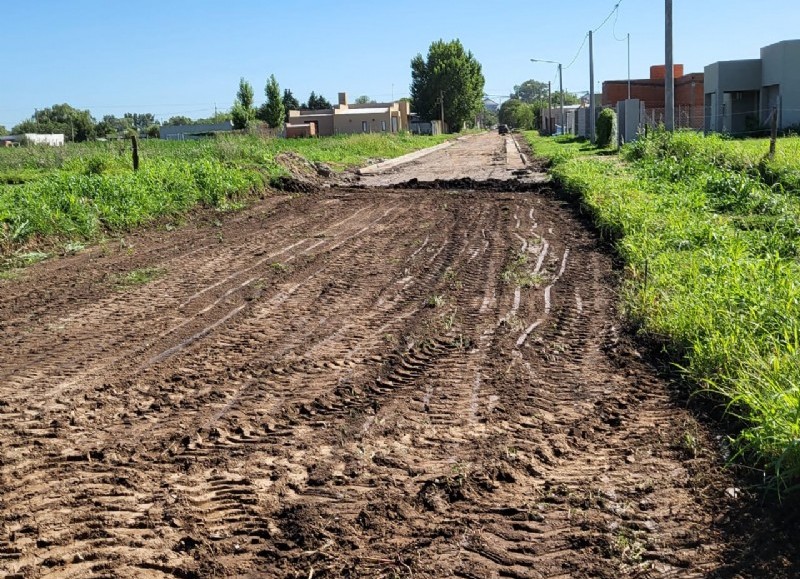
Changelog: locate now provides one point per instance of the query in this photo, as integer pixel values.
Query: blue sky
(186, 56)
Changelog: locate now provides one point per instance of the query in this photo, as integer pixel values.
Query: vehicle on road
(502, 129)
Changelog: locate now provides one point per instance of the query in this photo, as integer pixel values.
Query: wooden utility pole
(135, 152)
(591, 88)
(669, 88)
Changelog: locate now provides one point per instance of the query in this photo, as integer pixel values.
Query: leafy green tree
(241, 117)
(530, 91)
(153, 132)
(244, 96)
(242, 113)
(570, 98)
(364, 100)
(178, 120)
(76, 125)
(272, 112)
(518, 114)
(290, 102)
(3, 130)
(317, 103)
(489, 118)
(215, 119)
(450, 75)
(141, 121)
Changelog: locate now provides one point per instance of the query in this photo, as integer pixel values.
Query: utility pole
(591, 88)
(561, 91)
(629, 66)
(669, 89)
(549, 109)
(560, 87)
(441, 102)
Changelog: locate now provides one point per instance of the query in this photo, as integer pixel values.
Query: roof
(368, 111)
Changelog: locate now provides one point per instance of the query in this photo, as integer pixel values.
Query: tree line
(524, 108)
(447, 84)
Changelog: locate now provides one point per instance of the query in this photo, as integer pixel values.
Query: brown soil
(356, 383)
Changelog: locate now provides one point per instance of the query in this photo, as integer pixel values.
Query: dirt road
(349, 383)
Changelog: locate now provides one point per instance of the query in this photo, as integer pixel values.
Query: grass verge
(708, 229)
(78, 191)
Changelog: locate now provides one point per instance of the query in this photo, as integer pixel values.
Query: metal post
(773, 133)
(629, 66)
(591, 88)
(561, 90)
(441, 102)
(549, 109)
(669, 89)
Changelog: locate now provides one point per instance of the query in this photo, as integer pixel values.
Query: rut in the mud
(349, 383)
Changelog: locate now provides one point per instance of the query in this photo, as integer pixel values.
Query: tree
(178, 120)
(76, 125)
(272, 112)
(241, 116)
(452, 74)
(141, 121)
(570, 98)
(216, 118)
(518, 114)
(242, 113)
(3, 130)
(530, 91)
(244, 95)
(153, 132)
(290, 103)
(316, 103)
(364, 100)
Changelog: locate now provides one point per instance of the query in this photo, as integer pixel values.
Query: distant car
(502, 129)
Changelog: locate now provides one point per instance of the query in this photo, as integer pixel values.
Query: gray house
(741, 94)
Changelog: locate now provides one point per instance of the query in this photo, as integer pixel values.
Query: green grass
(137, 277)
(79, 191)
(709, 230)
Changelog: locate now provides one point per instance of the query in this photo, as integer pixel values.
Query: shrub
(606, 127)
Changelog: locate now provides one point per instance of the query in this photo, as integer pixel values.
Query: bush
(606, 127)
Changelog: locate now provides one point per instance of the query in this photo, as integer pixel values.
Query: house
(740, 95)
(346, 118)
(491, 105)
(689, 104)
(190, 132)
(54, 140)
(553, 124)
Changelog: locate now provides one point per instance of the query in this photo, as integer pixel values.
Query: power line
(616, 7)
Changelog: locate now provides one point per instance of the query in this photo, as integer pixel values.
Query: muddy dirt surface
(355, 383)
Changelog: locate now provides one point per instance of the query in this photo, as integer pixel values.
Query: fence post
(135, 152)
(773, 136)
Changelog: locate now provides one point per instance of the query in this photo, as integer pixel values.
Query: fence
(686, 117)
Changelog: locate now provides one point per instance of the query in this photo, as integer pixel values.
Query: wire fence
(747, 122)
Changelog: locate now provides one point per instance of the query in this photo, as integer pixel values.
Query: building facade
(689, 95)
(741, 95)
(346, 118)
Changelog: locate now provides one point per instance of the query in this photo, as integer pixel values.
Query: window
(364, 126)
(383, 126)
